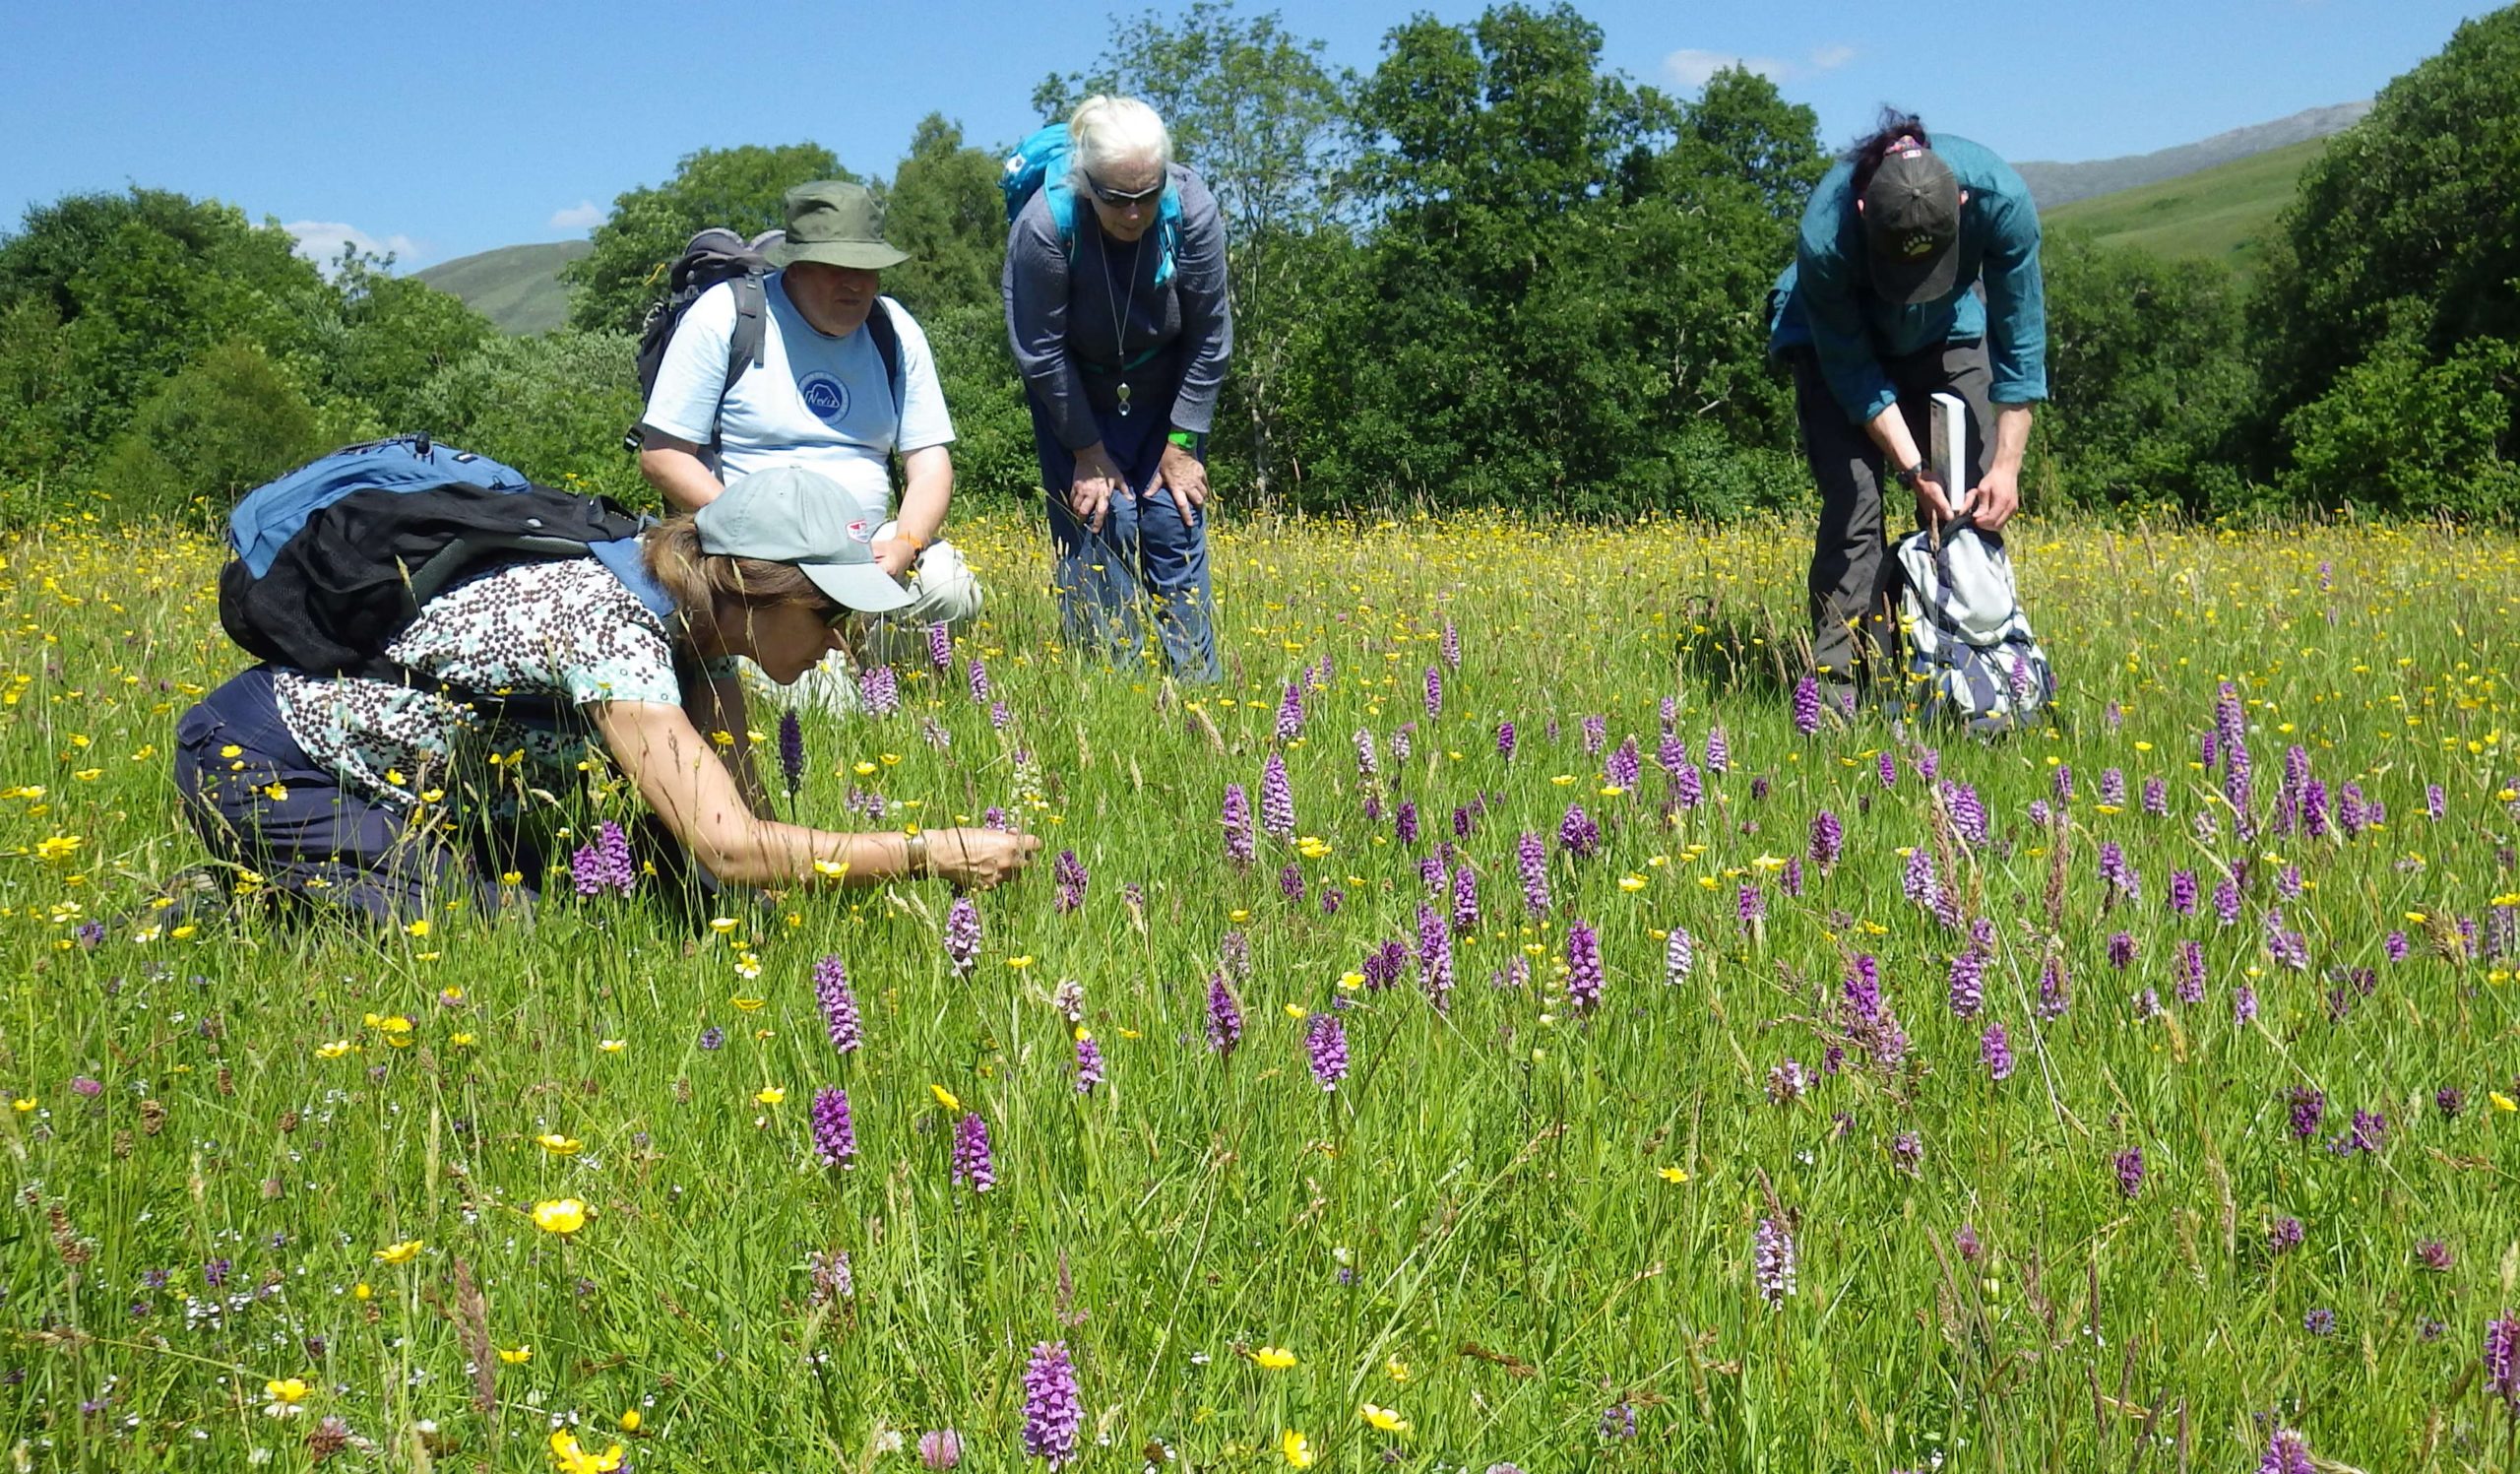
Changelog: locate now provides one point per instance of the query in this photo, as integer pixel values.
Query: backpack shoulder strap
(887, 336)
(1061, 198)
(1168, 235)
(748, 345)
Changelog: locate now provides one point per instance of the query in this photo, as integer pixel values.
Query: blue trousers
(325, 848)
(1145, 555)
(271, 809)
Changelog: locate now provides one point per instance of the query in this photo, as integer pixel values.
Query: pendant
(1124, 400)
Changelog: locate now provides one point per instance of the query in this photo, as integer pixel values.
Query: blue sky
(454, 128)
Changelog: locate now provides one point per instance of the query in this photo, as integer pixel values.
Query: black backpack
(335, 560)
(718, 255)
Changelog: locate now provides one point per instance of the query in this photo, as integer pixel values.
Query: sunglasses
(1117, 198)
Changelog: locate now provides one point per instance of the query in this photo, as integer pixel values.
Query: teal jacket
(1824, 301)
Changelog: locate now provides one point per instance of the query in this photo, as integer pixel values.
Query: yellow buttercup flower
(1672, 1174)
(1297, 1450)
(1395, 1368)
(612, 1046)
(1388, 1420)
(334, 1051)
(770, 1095)
(516, 1356)
(560, 1215)
(2500, 1101)
(402, 1252)
(945, 1098)
(568, 1456)
(630, 1420)
(1275, 1358)
(557, 1144)
(746, 1004)
(287, 1390)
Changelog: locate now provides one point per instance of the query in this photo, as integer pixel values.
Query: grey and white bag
(1971, 655)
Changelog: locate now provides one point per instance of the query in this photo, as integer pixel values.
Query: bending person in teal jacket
(1880, 310)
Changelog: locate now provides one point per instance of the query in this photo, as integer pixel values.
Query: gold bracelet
(916, 847)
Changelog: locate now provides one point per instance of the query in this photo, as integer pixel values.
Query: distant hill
(2057, 184)
(2222, 212)
(516, 287)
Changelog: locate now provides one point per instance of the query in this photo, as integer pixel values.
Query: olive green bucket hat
(836, 223)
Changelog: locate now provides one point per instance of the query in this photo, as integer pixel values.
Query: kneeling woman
(374, 799)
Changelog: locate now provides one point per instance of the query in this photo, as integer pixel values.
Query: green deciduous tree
(229, 420)
(392, 333)
(741, 188)
(2401, 432)
(1562, 304)
(552, 406)
(943, 207)
(2146, 372)
(136, 286)
(2403, 239)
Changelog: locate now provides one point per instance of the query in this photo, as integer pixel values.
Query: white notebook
(1947, 457)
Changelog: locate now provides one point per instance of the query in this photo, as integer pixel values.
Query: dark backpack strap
(888, 347)
(748, 345)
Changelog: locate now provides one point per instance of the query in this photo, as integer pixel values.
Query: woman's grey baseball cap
(789, 514)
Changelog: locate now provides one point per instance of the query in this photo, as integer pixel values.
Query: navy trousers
(1145, 555)
(259, 801)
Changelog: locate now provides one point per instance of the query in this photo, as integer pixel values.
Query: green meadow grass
(1480, 1230)
(2219, 213)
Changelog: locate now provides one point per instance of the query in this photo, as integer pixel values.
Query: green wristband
(1184, 439)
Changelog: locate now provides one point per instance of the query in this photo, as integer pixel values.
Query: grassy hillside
(2222, 212)
(516, 287)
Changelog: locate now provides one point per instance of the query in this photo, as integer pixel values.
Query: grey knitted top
(1081, 328)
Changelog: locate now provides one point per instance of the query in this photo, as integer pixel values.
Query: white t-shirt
(814, 400)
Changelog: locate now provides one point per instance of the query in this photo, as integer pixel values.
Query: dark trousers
(1147, 552)
(322, 848)
(269, 808)
(1855, 625)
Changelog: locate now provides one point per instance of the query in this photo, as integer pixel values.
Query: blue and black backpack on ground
(336, 558)
(1972, 658)
(1038, 165)
(719, 255)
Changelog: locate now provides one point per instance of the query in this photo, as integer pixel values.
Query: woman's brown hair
(712, 591)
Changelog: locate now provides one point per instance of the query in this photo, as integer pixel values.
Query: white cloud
(1830, 58)
(321, 242)
(1691, 68)
(584, 214)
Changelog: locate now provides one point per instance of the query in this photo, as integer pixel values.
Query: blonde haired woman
(372, 800)
(1115, 306)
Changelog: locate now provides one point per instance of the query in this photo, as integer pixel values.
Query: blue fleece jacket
(1825, 300)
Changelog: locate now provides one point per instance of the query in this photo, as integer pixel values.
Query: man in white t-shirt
(819, 397)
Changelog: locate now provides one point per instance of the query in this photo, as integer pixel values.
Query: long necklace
(1119, 322)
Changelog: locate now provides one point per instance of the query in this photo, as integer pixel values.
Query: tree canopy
(1489, 271)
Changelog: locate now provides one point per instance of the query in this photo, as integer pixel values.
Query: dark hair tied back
(1869, 149)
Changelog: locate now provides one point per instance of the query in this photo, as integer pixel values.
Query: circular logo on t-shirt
(824, 395)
